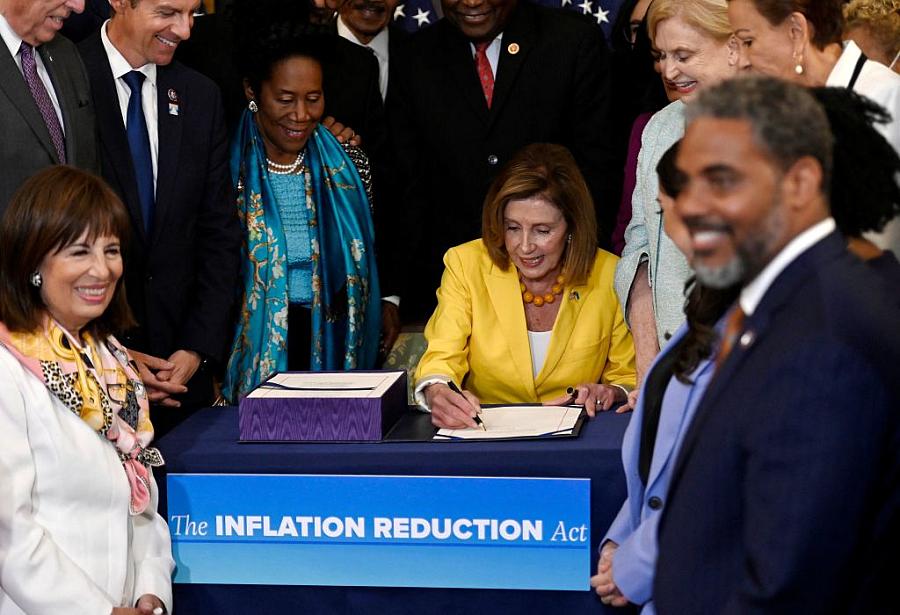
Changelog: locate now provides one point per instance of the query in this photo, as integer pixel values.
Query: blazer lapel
(112, 128)
(502, 287)
(517, 42)
(460, 64)
(563, 329)
(170, 91)
(13, 85)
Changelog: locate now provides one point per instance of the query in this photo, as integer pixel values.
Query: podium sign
(381, 531)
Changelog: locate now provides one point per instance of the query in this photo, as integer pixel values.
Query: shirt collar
(843, 71)
(378, 44)
(13, 41)
(117, 62)
(753, 293)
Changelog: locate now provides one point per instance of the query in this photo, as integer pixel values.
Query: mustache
(376, 6)
(698, 224)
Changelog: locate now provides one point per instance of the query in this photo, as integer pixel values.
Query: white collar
(753, 293)
(13, 41)
(378, 44)
(117, 62)
(843, 71)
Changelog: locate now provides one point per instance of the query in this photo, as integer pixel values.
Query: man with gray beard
(784, 496)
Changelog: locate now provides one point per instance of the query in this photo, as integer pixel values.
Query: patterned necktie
(485, 75)
(139, 144)
(42, 100)
(733, 327)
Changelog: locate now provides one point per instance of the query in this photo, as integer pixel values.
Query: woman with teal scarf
(310, 284)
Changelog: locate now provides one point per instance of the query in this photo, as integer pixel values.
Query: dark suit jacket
(786, 494)
(25, 146)
(183, 276)
(449, 145)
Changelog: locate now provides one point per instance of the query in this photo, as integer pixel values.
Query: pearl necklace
(287, 169)
(540, 300)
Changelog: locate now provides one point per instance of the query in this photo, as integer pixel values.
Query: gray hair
(787, 121)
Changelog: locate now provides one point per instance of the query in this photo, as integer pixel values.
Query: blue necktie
(139, 144)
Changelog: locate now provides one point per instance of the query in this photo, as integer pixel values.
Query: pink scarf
(98, 382)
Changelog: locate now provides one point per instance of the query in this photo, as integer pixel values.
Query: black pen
(476, 418)
(572, 392)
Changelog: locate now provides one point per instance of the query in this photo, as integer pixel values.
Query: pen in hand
(572, 392)
(475, 418)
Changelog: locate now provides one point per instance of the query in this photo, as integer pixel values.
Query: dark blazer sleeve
(208, 326)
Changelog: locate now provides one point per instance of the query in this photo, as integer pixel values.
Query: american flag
(414, 14)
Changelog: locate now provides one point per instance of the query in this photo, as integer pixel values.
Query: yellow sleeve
(619, 368)
(449, 328)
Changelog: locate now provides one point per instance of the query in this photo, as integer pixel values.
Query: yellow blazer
(478, 337)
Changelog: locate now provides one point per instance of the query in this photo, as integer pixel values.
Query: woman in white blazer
(79, 531)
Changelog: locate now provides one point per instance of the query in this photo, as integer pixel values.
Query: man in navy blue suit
(785, 496)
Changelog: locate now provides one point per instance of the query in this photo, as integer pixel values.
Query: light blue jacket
(635, 527)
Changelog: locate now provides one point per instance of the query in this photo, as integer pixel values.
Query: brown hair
(825, 17)
(550, 171)
(50, 211)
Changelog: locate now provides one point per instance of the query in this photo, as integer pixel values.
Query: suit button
(149, 278)
(492, 159)
(654, 503)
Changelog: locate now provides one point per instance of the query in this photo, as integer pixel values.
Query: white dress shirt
(120, 67)
(492, 53)
(753, 293)
(13, 43)
(378, 45)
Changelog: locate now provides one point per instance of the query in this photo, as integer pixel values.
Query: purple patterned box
(323, 406)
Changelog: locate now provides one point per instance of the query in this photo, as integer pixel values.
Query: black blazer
(785, 497)
(182, 278)
(551, 86)
(25, 145)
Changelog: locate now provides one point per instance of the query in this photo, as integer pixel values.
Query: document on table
(326, 384)
(524, 421)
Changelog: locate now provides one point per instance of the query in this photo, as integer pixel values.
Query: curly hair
(880, 18)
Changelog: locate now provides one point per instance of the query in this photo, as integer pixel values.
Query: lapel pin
(747, 338)
(174, 106)
(513, 48)
(574, 296)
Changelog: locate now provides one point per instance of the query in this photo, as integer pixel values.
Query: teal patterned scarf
(346, 310)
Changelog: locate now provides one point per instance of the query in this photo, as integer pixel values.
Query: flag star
(587, 7)
(601, 15)
(421, 17)
(398, 12)
(566, 3)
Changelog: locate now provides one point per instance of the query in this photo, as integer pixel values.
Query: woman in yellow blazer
(529, 309)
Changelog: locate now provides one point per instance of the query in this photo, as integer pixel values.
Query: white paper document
(319, 384)
(518, 422)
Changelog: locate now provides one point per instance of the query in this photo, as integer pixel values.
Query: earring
(798, 69)
(36, 279)
(569, 238)
(253, 106)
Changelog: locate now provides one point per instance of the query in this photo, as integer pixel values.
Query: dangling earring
(36, 279)
(569, 238)
(253, 106)
(798, 69)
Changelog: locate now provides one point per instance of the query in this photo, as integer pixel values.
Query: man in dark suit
(369, 24)
(46, 114)
(489, 78)
(785, 495)
(164, 150)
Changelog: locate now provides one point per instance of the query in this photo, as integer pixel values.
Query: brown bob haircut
(825, 16)
(547, 170)
(50, 211)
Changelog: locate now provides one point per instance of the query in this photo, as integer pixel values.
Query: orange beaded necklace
(540, 300)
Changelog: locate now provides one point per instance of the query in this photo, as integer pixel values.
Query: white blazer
(67, 541)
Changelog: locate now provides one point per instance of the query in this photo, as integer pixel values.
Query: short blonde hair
(708, 16)
(880, 18)
(550, 171)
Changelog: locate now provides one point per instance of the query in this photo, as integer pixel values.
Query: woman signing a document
(528, 310)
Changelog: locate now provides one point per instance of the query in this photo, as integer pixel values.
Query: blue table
(208, 443)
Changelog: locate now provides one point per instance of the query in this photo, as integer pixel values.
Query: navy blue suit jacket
(786, 493)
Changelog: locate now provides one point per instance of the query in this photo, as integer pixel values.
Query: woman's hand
(592, 396)
(450, 410)
(602, 582)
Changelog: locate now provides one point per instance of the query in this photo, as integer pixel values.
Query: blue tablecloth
(208, 443)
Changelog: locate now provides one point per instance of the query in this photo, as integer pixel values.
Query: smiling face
(479, 20)
(731, 203)
(762, 48)
(535, 238)
(689, 59)
(150, 30)
(79, 280)
(291, 103)
(366, 18)
(38, 21)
